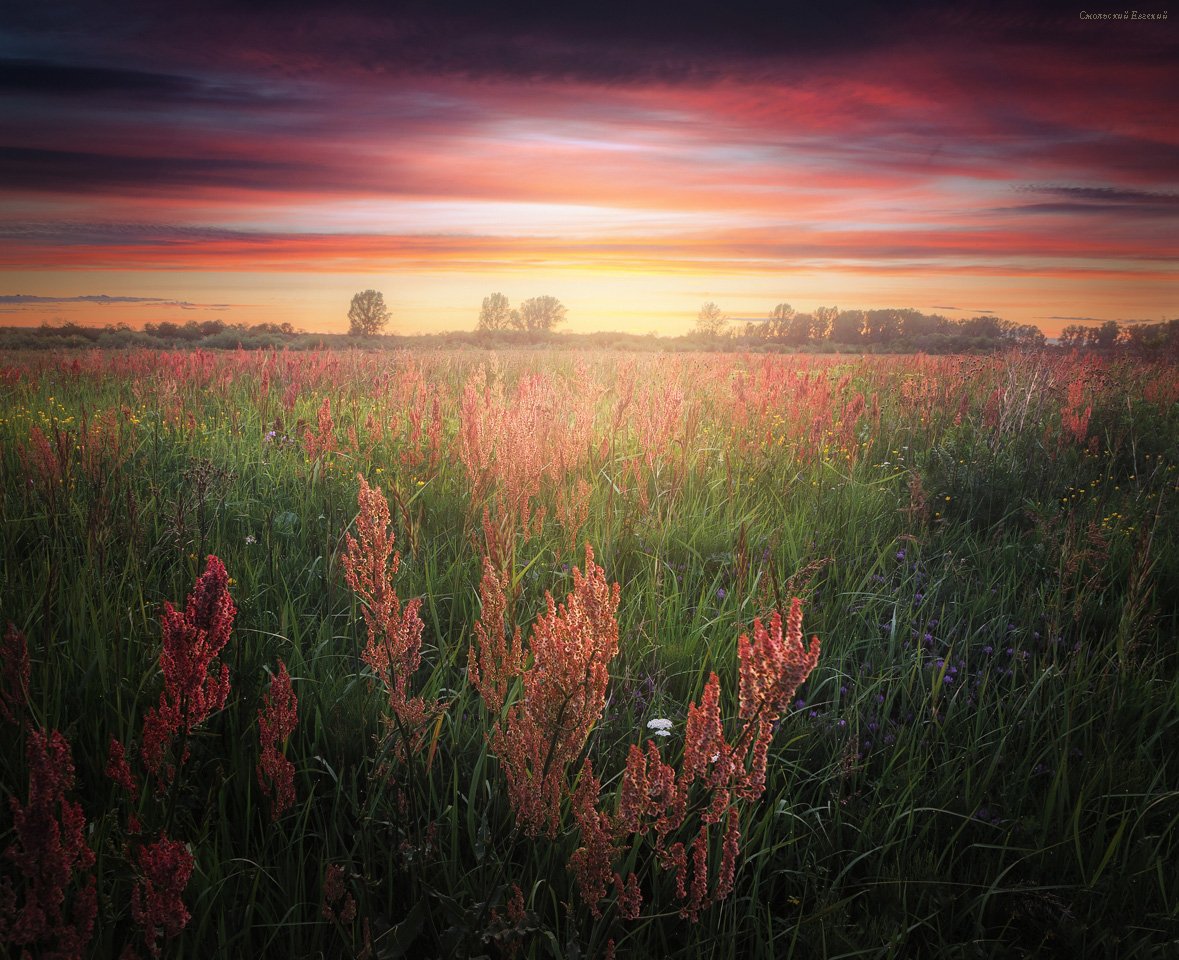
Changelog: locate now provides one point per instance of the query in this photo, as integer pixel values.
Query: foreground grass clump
(404, 711)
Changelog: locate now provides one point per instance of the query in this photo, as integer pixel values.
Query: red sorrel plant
(573, 509)
(156, 904)
(774, 665)
(496, 659)
(48, 851)
(656, 802)
(1075, 414)
(119, 770)
(509, 929)
(46, 463)
(658, 421)
(323, 442)
(394, 648)
(14, 675)
(195, 684)
(276, 723)
(339, 906)
(509, 446)
(563, 675)
(421, 450)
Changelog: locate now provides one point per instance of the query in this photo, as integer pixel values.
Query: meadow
(305, 655)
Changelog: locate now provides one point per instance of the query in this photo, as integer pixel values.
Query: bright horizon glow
(967, 163)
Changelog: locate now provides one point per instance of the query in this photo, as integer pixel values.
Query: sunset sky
(264, 161)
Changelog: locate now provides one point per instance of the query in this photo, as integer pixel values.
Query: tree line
(905, 328)
(535, 320)
(1134, 337)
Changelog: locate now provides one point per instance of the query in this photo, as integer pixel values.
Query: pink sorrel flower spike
(563, 696)
(494, 660)
(119, 770)
(48, 849)
(394, 648)
(773, 665)
(195, 684)
(156, 903)
(276, 722)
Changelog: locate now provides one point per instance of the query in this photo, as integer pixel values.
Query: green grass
(983, 764)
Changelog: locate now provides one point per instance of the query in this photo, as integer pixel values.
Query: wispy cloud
(1102, 201)
(1099, 319)
(23, 299)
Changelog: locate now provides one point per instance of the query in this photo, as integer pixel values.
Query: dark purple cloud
(611, 41)
(37, 77)
(75, 170)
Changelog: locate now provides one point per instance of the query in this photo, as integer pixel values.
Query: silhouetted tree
(165, 330)
(496, 313)
(368, 314)
(778, 325)
(539, 313)
(1152, 337)
(285, 328)
(848, 327)
(1106, 336)
(711, 320)
(1026, 335)
(881, 326)
(796, 329)
(916, 324)
(987, 327)
(822, 321)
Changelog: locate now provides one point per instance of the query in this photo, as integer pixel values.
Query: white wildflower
(660, 727)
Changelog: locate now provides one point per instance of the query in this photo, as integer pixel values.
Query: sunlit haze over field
(263, 162)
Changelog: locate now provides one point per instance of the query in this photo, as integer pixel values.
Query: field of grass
(983, 762)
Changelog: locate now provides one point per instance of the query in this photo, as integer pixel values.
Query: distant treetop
(541, 313)
(538, 314)
(368, 314)
(711, 320)
(496, 313)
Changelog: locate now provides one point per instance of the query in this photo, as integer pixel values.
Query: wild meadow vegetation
(463, 653)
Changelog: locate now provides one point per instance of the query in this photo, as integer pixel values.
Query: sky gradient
(264, 161)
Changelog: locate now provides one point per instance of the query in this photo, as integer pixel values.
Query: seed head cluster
(704, 796)
(48, 849)
(544, 696)
(276, 723)
(156, 904)
(195, 683)
(563, 674)
(495, 659)
(773, 664)
(394, 648)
